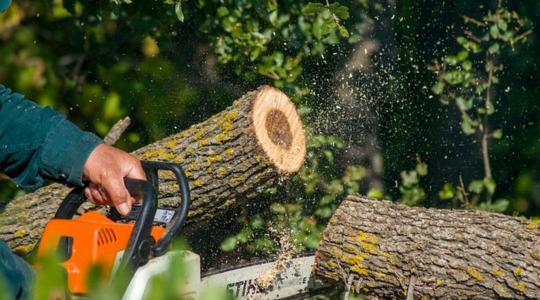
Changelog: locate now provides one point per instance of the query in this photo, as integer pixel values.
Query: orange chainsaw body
(88, 241)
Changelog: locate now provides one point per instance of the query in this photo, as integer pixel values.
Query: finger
(118, 195)
(94, 190)
(103, 194)
(135, 169)
(135, 199)
(98, 198)
(89, 196)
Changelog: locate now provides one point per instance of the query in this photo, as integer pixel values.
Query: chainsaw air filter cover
(88, 241)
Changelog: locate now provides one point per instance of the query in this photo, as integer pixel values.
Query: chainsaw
(141, 249)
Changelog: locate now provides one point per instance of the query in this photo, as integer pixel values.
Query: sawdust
(284, 256)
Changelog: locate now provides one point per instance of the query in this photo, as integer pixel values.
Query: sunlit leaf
(313, 8)
(178, 11)
(375, 193)
(339, 10)
(501, 205)
(422, 169)
(228, 244)
(476, 186)
(490, 185)
(447, 192)
(497, 134)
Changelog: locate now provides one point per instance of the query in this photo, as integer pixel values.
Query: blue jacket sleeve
(38, 143)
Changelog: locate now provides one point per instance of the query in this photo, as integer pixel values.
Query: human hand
(106, 169)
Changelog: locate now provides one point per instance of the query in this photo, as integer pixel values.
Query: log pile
(229, 159)
(391, 251)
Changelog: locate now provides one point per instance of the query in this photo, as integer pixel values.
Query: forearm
(38, 143)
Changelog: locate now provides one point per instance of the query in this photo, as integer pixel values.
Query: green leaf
(329, 155)
(343, 31)
(494, 31)
(339, 10)
(222, 11)
(355, 173)
(327, 199)
(422, 169)
(178, 11)
(312, 241)
(229, 244)
(462, 55)
(451, 60)
(494, 49)
(463, 104)
(335, 187)
(501, 205)
(476, 186)
(462, 41)
(447, 192)
(375, 193)
(467, 126)
(502, 24)
(278, 208)
(257, 222)
(409, 178)
(438, 88)
(324, 212)
(467, 65)
(244, 235)
(497, 134)
(490, 109)
(313, 8)
(490, 185)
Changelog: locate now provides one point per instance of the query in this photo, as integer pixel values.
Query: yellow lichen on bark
(369, 242)
(521, 287)
(359, 270)
(474, 273)
(497, 272)
(518, 271)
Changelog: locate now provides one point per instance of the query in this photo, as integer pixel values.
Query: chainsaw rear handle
(138, 250)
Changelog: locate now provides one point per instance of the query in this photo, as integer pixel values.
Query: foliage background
(358, 71)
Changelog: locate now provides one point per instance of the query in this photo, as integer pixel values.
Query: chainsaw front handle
(180, 216)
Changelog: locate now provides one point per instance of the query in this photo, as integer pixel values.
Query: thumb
(118, 194)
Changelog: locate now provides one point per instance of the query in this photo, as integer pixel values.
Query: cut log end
(278, 129)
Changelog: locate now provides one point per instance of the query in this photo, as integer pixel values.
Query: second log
(392, 251)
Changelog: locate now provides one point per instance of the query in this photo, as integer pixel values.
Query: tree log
(229, 159)
(387, 250)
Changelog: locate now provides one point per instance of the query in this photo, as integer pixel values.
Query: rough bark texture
(222, 157)
(386, 250)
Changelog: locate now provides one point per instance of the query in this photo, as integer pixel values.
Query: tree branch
(117, 130)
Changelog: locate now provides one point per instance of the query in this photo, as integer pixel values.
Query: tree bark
(392, 251)
(229, 159)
